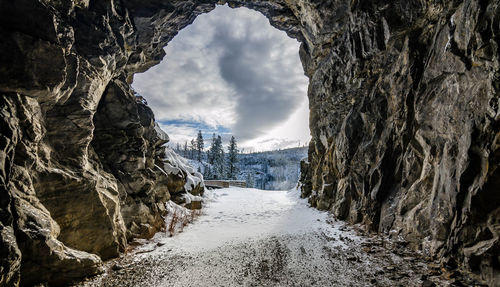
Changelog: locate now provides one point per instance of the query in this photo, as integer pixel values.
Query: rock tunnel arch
(385, 76)
(230, 73)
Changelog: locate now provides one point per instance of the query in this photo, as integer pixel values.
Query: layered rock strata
(404, 102)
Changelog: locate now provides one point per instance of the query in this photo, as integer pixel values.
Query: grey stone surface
(404, 103)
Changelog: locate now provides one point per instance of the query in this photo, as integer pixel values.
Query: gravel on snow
(250, 237)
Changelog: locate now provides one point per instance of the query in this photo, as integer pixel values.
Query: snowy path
(249, 237)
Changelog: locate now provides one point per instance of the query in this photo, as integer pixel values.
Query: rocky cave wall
(81, 159)
(405, 125)
(404, 120)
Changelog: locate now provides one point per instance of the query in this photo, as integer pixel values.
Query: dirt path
(260, 238)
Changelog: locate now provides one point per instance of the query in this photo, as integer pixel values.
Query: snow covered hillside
(271, 170)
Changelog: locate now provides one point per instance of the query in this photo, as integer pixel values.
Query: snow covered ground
(250, 237)
(234, 215)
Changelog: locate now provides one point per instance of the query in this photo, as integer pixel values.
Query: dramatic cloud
(230, 72)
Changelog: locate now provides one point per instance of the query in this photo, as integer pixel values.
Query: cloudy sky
(230, 73)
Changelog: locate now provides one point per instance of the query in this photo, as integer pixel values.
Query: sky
(230, 73)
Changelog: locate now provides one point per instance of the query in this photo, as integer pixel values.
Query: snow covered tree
(185, 149)
(217, 157)
(219, 164)
(211, 151)
(192, 148)
(207, 172)
(199, 145)
(250, 180)
(232, 158)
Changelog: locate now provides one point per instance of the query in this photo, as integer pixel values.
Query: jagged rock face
(128, 145)
(78, 153)
(405, 124)
(404, 102)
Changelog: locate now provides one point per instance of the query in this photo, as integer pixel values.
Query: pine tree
(250, 181)
(210, 174)
(192, 148)
(207, 172)
(232, 158)
(185, 149)
(211, 151)
(199, 145)
(221, 163)
(265, 170)
(217, 158)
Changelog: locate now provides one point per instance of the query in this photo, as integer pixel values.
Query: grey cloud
(229, 68)
(268, 89)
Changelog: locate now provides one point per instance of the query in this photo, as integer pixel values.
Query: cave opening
(392, 95)
(230, 73)
(242, 79)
